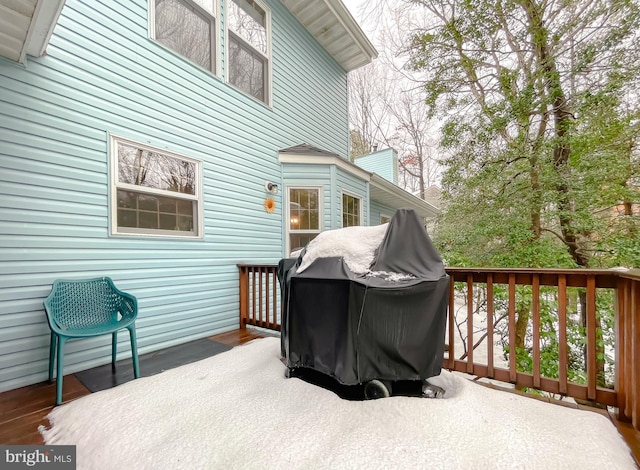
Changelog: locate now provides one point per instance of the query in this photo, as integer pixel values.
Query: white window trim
(216, 30)
(114, 186)
(287, 224)
(359, 198)
(269, 92)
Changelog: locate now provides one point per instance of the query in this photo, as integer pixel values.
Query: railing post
(470, 340)
(513, 375)
(634, 360)
(244, 296)
(592, 370)
(452, 321)
(621, 326)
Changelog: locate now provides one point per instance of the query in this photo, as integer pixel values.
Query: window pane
(127, 218)
(167, 205)
(305, 222)
(168, 222)
(350, 211)
(248, 20)
(246, 69)
(294, 219)
(314, 220)
(300, 240)
(185, 223)
(147, 203)
(155, 170)
(145, 211)
(182, 29)
(147, 220)
(185, 207)
(304, 210)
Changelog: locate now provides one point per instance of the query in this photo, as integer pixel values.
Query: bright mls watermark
(38, 457)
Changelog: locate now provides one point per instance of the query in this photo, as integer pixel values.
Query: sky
(353, 5)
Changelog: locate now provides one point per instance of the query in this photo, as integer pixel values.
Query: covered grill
(377, 325)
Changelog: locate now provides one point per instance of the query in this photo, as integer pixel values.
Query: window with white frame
(304, 216)
(351, 210)
(188, 27)
(154, 192)
(249, 48)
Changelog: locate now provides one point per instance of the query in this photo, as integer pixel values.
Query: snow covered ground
(237, 410)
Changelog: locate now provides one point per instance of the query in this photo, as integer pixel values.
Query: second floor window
(188, 27)
(249, 47)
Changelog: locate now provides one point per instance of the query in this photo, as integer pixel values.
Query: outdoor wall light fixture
(271, 187)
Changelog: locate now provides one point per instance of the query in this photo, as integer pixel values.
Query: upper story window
(351, 210)
(189, 28)
(304, 216)
(154, 192)
(249, 48)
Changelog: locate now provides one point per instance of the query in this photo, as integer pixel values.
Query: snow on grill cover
(384, 321)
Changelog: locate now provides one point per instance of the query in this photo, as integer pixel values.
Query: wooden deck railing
(259, 296)
(506, 292)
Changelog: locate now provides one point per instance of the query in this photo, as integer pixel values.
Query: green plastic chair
(84, 308)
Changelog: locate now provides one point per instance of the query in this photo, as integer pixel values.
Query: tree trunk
(563, 118)
(521, 326)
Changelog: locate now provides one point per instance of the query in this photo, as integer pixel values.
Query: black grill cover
(358, 328)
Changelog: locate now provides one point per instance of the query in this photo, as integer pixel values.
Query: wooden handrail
(259, 306)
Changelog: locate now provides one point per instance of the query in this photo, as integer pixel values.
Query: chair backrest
(83, 303)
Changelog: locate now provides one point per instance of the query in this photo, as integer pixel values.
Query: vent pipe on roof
(374, 148)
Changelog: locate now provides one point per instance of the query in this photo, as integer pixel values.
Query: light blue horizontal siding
(102, 76)
(354, 186)
(377, 209)
(383, 162)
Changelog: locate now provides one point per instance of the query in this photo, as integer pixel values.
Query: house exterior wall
(354, 186)
(383, 162)
(103, 76)
(377, 210)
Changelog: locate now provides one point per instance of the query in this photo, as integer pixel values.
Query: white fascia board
(45, 18)
(355, 31)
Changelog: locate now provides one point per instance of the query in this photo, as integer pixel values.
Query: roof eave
(402, 198)
(26, 27)
(45, 18)
(344, 40)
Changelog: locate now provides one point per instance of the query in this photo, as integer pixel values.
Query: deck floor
(24, 409)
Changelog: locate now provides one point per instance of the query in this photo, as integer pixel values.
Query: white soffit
(26, 27)
(387, 193)
(334, 28)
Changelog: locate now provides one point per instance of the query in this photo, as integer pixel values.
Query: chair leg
(52, 354)
(134, 351)
(60, 372)
(114, 348)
